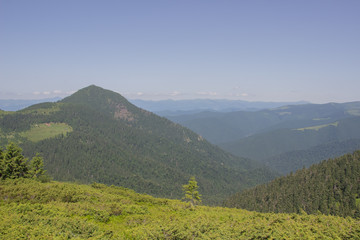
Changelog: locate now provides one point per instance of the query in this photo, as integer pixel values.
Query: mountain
(282, 137)
(97, 135)
(15, 105)
(291, 161)
(220, 128)
(275, 142)
(330, 187)
(181, 107)
(58, 210)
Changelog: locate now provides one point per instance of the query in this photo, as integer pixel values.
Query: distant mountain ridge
(281, 135)
(18, 104)
(97, 135)
(191, 106)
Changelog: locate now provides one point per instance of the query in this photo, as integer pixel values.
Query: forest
(330, 187)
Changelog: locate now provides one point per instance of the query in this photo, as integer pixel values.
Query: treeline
(331, 187)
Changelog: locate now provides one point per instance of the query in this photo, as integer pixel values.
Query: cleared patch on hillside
(43, 131)
(316, 128)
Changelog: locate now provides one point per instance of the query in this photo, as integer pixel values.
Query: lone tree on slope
(191, 192)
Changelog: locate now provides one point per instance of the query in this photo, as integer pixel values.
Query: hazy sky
(268, 50)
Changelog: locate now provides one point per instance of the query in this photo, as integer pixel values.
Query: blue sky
(248, 50)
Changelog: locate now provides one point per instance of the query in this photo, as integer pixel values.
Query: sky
(269, 50)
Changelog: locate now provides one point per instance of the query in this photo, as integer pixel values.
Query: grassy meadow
(43, 131)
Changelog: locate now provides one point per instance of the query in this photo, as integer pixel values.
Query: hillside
(97, 135)
(220, 128)
(56, 210)
(272, 143)
(284, 137)
(331, 187)
(297, 159)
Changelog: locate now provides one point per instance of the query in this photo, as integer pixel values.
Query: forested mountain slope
(97, 135)
(56, 210)
(297, 159)
(285, 138)
(331, 187)
(264, 145)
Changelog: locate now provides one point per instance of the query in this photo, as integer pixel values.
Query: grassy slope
(56, 210)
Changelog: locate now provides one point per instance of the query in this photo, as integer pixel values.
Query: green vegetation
(276, 142)
(221, 128)
(55, 210)
(114, 142)
(331, 187)
(43, 131)
(42, 108)
(191, 192)
(14, 165)
(269, 136)
(294, 160)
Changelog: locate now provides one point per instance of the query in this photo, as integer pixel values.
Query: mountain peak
(88, 94)
(106, 101)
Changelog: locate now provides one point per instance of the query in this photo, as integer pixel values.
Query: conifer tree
(36, 167)
(191, 192)
(13, 163)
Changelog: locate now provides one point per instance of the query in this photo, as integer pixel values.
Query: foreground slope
(55, 210)
(331, 187)
(97, 135)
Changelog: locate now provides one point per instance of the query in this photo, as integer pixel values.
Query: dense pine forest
(331, 187)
